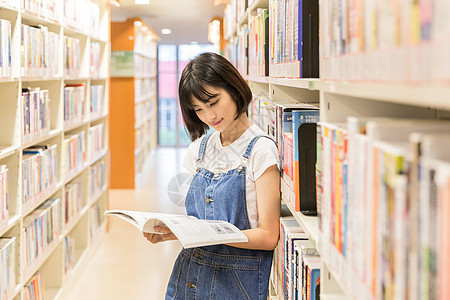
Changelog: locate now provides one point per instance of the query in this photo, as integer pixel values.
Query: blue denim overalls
(220, 271)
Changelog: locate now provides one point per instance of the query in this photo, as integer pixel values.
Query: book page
(197, 233)
(190, 231)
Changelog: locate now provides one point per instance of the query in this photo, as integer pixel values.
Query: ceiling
(188, 19)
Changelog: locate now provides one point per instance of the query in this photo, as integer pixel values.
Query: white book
(189, 230)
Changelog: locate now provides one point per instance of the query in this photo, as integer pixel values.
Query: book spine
(299, 118)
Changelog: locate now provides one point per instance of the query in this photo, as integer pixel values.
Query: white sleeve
(191, 156)
(264, 155)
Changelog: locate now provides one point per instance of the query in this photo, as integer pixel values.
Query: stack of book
(8, 263)
(4, 196)
(381, 42)
(41, 230)
(73, 200)
(258, 50)
(36, 114)
(96, 141)
(97, 179)
(40, 173)
(383, 200)
(34, 289)
(39, 52)
(94, 65)
(72, 56)
(5, 47)
(73, 154)
(96, 101)
(296, 264)
(294, 38)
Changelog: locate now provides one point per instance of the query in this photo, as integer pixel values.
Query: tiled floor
(126, 266)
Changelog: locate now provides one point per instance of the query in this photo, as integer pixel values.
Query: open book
(189, 230)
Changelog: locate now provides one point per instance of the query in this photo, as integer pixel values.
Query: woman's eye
(197, 110)
(213, 103)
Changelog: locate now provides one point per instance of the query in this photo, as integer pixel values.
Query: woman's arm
(266, 235)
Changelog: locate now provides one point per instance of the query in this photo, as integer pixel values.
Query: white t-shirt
(220, 159)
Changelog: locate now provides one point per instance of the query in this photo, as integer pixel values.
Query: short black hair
(209, 70)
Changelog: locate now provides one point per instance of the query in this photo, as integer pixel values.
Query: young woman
(236, 178)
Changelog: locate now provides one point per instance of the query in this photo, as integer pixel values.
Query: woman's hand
(165, 235)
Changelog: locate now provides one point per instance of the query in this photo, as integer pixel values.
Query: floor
(126, 266)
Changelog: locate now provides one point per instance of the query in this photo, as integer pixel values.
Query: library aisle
(126, 266)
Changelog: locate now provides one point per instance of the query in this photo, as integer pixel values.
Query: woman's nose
(211, 114)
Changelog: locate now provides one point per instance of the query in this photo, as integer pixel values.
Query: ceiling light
(137, 23)
(166, 31)
(141, 1)
(194, 43)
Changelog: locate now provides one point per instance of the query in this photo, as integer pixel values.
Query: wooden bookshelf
(35, 112)
(133, 99)
(405, 78)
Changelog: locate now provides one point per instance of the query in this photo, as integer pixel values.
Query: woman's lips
(217, 123)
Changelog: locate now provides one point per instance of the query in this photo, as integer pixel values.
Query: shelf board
(15, 292)
(6, 151)
(40, 198)
(258, 4)
(308, 223)
(4, 6)
(98, 156)
(35, 18)
(40, 78)
(92, 120)
(243, 20)
(96, 38)
(73, 31)
(258, 79)
(313, 84)
(98, 78)
(75, 220)
(74, 173)
(53, 133)
(94, 198)
(428, 95)
(51, 293)
(75, 78)
(40, 260)
(74, 126)
(8, 79)
(12, 221)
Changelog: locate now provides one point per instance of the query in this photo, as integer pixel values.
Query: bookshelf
(133, 99)
(376, 61)
(54, 90)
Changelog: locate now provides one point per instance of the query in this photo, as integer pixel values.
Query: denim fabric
(220, 271)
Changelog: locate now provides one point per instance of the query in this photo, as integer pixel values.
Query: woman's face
(219, 113)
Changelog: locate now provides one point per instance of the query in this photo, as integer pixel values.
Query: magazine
(190, 231)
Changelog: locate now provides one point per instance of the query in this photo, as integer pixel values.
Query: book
(312, 272)
(190, 231)
(302, 248)
(307, 36)
(304, 142)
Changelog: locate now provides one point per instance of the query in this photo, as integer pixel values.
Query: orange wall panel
(122, 132)
(120, 36)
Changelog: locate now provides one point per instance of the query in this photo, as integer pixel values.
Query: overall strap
(201, 150)
(249, 149)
